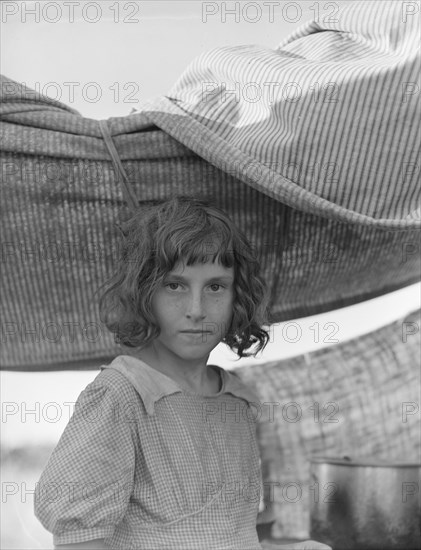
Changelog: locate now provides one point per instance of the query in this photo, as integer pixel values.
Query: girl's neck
(198, 378)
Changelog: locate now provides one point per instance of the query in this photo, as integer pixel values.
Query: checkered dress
(146, 464)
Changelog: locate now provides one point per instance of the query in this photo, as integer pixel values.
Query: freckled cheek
(223, 308)
(174, 304)
(166, 310)
(224, 319)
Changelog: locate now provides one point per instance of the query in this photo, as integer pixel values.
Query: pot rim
(370, 462)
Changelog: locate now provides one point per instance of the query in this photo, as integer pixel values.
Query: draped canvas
(357, 399)
(327, 192)
(324, 123)
(61, 199)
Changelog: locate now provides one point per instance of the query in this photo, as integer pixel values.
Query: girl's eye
(216, 285)
(172, 285)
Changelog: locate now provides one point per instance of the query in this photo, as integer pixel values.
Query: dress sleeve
(85, 488)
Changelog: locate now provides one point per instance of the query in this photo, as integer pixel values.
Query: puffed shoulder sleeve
(84, 490)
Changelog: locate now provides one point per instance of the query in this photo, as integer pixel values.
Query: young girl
(161, 449)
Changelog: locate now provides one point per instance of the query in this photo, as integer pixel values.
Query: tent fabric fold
(323, 123)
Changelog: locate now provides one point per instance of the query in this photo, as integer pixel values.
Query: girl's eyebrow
(226, 278)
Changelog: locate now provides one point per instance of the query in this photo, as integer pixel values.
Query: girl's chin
(193, 352)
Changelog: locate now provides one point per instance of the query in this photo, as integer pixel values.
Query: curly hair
(189, 230)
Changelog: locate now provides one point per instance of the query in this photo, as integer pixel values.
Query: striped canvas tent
(312, 150)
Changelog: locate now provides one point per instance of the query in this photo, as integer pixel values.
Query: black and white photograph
(210, 275)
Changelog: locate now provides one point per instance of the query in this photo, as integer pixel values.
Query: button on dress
(145, 464)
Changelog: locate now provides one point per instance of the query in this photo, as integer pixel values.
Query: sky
(105, 61)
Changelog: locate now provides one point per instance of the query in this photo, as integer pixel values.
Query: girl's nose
(195, 308)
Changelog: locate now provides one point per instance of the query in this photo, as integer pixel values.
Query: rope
(128, 193)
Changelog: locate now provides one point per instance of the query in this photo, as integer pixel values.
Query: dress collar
(152, 385)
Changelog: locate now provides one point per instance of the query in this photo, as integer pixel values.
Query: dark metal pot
(365, 505)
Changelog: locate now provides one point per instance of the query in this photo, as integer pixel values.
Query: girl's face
(193, 308)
